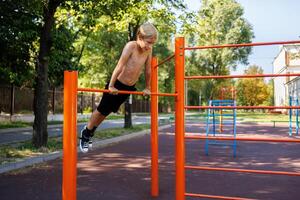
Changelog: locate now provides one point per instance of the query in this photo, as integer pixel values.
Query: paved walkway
(13, 135)
(122, 171)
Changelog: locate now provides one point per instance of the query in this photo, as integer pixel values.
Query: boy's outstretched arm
(127, 51)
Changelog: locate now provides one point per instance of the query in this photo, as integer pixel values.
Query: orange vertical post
(154, 129)
(70, 136)
(179, 119)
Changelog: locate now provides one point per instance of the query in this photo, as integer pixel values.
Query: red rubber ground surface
(122, 171)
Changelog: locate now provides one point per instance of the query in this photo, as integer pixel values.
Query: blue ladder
(212, 122)
(293, 102)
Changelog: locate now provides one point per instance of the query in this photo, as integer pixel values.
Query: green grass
(26, 149)
(114, 132)
(246, 117)
(261, 117)
(20, 124)
(12, 153)
(115, 117)
(17, 124)
(110, 117)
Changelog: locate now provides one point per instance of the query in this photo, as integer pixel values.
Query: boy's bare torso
(134, 66)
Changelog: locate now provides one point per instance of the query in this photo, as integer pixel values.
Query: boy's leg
(95, 120)
(88, 131)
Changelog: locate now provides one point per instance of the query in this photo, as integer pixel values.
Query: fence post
(93, 101)
(81, 103)
(179, 119)
(12, 100)
(154, 130)
(70, 136)
(53, 100)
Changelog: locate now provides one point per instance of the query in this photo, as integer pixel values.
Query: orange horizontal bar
(124, 92)
(199, 137)
(165, 60)
(214, 196)
(241, 76)
(242, 45)
(242, 107)
(243, 170)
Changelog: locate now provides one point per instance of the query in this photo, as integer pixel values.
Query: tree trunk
(132, 29)
(40, 104)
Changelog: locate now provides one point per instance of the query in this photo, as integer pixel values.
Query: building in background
(287, 61)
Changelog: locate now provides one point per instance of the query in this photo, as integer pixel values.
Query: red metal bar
(242, 107)
(154, 130)
(179, 119)
(165, 60)
(291, 140)
(124, 92)
(215, 196)
(252, 171)
(241, 76)
(242, 45)
(70, 136)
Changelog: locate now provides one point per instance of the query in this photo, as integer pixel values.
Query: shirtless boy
(135, 55)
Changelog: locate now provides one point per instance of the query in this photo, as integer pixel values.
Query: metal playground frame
(70, 123)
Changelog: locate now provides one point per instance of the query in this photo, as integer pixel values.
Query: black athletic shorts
(111, 103)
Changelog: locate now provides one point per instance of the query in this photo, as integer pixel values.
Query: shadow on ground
(122, 171)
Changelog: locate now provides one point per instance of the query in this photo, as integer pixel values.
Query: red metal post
(165, 60)
(124, 92)
(154, 130)
(179, 119)
(242, 170)
(70, 136)
(242, 107)
(247, 139)
(243, 45)
(242, 76)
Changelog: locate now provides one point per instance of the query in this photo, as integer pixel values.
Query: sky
(271, 20)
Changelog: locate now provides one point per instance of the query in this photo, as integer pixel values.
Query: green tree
(40, 105)
(28, 50)
(45, 35)
(104, 45)
(253, 91)
(90, 10)
(18, 32)
(101, 53)
(219, 22)
(62, 55)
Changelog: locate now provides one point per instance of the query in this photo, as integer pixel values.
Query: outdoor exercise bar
(70, 130)
(242, 170)
(165, 60)
(70, 121)
(154, 129)
(242, 45)
(124, 92)
(215, 196)
(179, 120)
(248, 139)
(179, 135)
(242, 107)
(241, 76)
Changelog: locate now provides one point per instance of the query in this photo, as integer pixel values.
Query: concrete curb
(51, 156)
(29, 161)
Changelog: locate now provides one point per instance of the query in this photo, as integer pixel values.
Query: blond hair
(147, 30)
